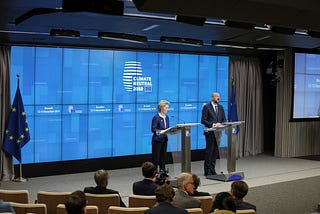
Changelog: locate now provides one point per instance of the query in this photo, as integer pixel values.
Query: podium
(185, 130)
(231, 174)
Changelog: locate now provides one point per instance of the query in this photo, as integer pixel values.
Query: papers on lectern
(177, 128)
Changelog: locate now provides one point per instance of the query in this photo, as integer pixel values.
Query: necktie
(216, 109)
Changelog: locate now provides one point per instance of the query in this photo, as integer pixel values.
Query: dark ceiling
(22, 23)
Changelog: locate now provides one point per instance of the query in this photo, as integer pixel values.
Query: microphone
(177, 119)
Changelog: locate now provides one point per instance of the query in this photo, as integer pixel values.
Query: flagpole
(20, 178)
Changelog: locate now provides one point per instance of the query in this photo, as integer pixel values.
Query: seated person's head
(101, 177)
(239, 189)
(185, 182)
(224, 201)
(164, 193)
(76, 203)
(196, 181)
(148, 170)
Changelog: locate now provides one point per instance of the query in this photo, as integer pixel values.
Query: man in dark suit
(239, 190)
(147, 185)
(101, 178)
(164, 196)
(212, 116)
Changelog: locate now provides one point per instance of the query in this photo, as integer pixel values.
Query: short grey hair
(183, 179)
(162, 104)
(101, 176)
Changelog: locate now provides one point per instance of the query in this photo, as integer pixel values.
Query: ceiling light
(123, 37)
(232, 45)
(181, 41)
(65, 33)
(150, 27)
(270, 49)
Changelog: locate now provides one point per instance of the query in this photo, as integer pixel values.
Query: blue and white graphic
(133, 79)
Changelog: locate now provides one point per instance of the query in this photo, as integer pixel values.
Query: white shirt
(215, 107)
(164, 119)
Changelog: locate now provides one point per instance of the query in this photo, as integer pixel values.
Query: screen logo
(133, 79)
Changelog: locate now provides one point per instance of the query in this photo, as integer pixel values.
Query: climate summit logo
(133, 79)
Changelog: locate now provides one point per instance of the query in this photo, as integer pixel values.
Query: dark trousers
(159, 150)
(211, 153)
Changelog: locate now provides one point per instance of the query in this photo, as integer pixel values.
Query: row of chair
(102, 201)
(61, 209)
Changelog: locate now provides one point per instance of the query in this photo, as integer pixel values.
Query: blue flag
(233, 114)
(17, 132)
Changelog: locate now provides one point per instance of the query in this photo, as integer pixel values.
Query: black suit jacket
(209, 116)
(197, 193)
(103, 190)
(242, 205)
(144, 187)
(158, 124)
(167, 208)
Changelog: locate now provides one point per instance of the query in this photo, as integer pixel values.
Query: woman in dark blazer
(159, 141)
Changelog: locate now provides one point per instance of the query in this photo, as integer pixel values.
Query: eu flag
(17, 132)
(232, 114)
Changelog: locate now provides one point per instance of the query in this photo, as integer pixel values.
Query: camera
(162, 178)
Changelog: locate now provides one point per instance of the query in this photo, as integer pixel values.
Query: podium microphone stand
(185, 130)
(231, 174)
(20, 178)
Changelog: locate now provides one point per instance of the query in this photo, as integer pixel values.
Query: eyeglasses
(190, 183)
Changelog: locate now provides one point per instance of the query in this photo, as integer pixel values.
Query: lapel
(212, 110)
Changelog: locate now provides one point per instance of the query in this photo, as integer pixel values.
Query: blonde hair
(162, 104)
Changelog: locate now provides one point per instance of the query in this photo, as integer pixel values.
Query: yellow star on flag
(11, 138)
(22, 136)
(14, 109)
(23, 113)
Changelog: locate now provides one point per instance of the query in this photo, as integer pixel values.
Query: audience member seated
(101, 178)
(164, 197)
(196, 182)
(147, 185)
(76, 203)
(5, 207)
(223, 204)
(182, 198)
(239, 190)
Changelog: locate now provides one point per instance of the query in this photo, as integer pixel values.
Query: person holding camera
(147, 186)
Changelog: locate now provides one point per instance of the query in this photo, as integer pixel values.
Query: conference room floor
(259, 170)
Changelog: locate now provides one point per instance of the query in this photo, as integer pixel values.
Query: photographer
(147, 186)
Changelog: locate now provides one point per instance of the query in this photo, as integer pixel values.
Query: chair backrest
(126, 210)
(142, 200)
(103, 201)
(61, 209)
(21, 208)
(206, 203)
(52, 199)
(248, 211)
(195, 210)
(18, 196)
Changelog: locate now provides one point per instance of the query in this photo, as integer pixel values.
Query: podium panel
(226, 161)
(185, 138)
